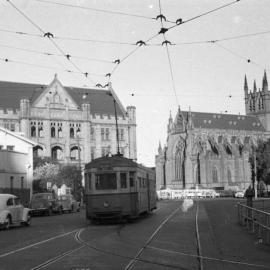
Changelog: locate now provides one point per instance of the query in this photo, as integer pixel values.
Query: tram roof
(112, 161)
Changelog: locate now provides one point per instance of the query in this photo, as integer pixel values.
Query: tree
(43, 174)
(263, 162)
(71, 176)
(40, 161)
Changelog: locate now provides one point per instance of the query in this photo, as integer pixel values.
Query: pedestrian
(249, 194)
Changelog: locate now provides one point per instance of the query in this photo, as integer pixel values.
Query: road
(201, 234)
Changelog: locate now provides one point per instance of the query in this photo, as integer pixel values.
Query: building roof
(108, 162)
(18, 136)
(101, 103)
(224, 121)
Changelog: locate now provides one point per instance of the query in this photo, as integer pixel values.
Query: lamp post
(255, 174)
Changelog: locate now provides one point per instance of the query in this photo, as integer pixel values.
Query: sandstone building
(71, 125)
(212, 150)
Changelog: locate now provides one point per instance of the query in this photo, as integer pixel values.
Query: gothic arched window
(229, 176)
(215, 175)
(179, 160)
(53, 132)
(33, 131)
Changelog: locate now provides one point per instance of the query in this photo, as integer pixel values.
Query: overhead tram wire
(52, 54)
(70, 38)
(8, 60)
(204, 14)
(248, 60)
(100, 10)
(50, 37)
(168, 55)
(139, 45)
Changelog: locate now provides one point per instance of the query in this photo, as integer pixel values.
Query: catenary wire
(99, 10)
(248, 60)
(50, 37)
(52, 54)
(169, 58)
(134, 44)
(205, 13)
(7, 60)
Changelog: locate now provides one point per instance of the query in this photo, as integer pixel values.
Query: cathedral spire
(159, 148)
(264, 82)
(246, 85)
(254, 86)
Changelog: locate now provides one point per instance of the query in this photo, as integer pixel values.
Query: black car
(45, 203)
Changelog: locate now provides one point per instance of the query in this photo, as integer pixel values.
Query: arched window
(178, 161)
(229, 176)
(53, 132)
(71, 132)
(33, 131)
(56, 98)
(60, 134)
(57, 153)
(74, 153)
(215, 175)
(37, 151)
(40, 131)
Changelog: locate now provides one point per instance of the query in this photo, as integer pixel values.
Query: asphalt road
(166, 239)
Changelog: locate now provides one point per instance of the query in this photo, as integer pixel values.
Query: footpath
(224, 243)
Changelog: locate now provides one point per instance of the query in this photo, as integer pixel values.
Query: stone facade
(212, 150)
(71, 125)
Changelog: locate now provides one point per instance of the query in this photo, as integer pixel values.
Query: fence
(256, 220)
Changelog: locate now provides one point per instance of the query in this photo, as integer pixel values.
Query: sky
(190, 72)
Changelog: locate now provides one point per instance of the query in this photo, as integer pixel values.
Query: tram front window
(106, 181)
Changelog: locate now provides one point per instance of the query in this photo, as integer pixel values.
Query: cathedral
(212, 150)
(71, 125)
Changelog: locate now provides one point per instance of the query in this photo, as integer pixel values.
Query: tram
(117, 187)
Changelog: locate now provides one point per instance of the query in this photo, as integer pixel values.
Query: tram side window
(131, 179)
(88, 180)
(123, 180)
(106, 181)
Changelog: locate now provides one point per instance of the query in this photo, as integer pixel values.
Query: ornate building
(212, 150)
(71, 125)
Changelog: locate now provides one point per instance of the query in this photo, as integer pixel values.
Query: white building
(71, 125)
(16, 164)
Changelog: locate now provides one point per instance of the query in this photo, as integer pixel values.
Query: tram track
(150, 246)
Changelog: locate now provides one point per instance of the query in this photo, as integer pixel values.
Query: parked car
(12, 212)
(69, 204)
(239, 194)
(45, 203)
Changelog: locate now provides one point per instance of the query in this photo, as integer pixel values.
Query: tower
(257, 103)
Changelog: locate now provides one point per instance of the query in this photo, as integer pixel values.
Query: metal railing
(256, 220)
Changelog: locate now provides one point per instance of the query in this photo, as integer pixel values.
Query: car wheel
(7, 223)
(28, 221)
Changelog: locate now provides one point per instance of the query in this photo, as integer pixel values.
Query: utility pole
(116, 122)
(255, 174)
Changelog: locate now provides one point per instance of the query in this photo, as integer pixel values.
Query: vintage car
(12, 212)
(45, 203)
(239, 194)
(69, 203)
